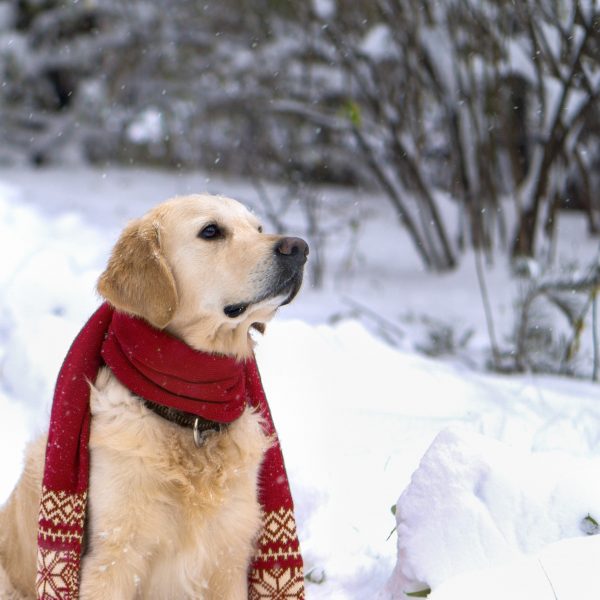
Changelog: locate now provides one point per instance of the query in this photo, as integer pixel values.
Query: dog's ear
(138, 279)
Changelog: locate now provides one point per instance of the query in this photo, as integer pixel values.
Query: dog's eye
(210, 232)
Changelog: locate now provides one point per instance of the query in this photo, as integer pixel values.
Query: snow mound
(47, 277)
(475, 503)
(14, 432)
(564, 570)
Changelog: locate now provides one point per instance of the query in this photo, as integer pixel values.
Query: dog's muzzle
(291, 254)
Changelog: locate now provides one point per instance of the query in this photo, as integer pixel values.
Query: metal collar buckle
(201, 435)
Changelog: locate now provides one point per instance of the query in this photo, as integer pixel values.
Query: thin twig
(548, 578)
(375, 316)
(595, 334)
(487, 308)
(265, 200)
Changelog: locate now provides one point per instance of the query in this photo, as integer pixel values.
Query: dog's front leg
(119, 547)
(7, 591)
(229, 584)
(113, 572)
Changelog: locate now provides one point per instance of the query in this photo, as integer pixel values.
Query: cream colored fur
(166, 520)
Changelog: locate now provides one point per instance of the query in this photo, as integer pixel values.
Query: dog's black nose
(292, 247)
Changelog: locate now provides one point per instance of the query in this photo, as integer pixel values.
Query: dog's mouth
(288, 288)
(293, 287)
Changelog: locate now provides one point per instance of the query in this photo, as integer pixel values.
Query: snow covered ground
(364, 425)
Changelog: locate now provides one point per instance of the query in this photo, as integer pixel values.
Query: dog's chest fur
(170, 517)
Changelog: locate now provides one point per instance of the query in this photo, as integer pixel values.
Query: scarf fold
(158, 367)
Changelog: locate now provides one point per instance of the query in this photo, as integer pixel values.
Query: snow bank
(567, 570)
(474, 503)
(356, 417)
(47, 275)
(15, 429)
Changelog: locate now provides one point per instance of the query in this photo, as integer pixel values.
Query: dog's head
(201, 267)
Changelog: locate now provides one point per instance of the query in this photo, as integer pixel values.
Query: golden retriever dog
(167, 520)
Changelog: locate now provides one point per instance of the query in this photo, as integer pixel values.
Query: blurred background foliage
(485, 102)
(487, 106)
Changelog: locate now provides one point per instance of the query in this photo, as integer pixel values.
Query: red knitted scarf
(163, 369)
